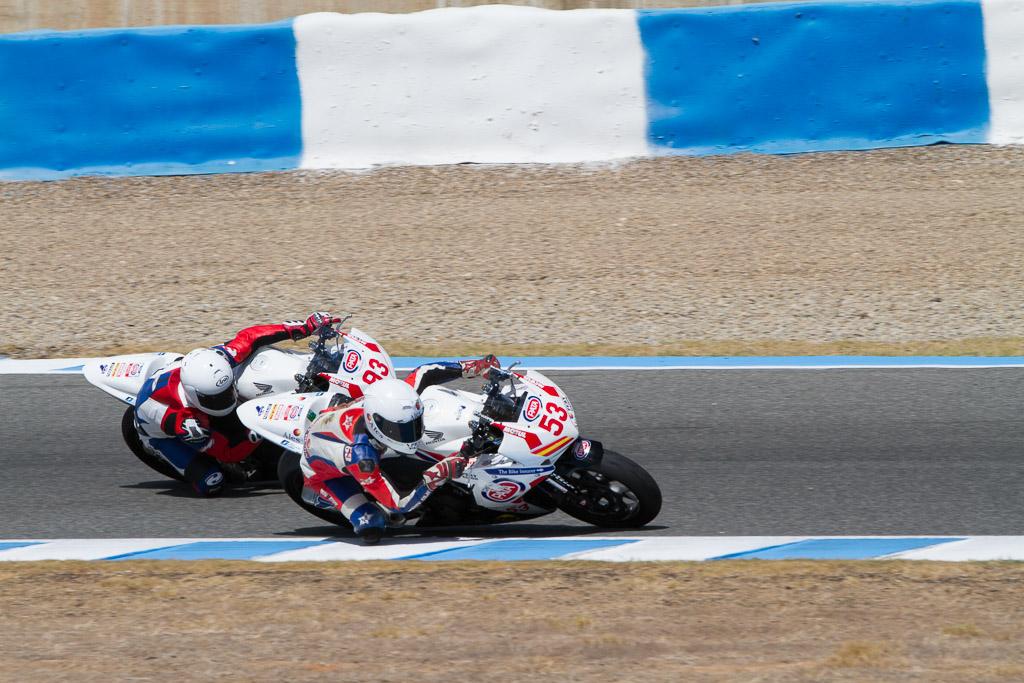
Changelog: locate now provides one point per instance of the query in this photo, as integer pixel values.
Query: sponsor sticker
(221, 381)
(530, 380)
(514, 432)
(279, 411)
(532, 409)
(582, 450)
(370, 345)
(503, 490)
(572, 413)
(352, 360)
(511, 472)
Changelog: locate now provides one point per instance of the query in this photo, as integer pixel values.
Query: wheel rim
(603, 497)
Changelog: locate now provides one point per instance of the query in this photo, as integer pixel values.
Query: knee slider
(367, 516)
(205, 475)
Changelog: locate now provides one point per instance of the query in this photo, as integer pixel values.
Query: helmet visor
(221, 401)
(405, 432)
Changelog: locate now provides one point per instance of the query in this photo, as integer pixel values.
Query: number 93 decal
(376, 372)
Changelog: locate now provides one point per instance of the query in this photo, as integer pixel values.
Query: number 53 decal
(553, 421)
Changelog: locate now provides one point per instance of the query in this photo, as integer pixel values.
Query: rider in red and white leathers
(186, 413)
(343, 447)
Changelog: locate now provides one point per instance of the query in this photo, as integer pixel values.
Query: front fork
(581, 454)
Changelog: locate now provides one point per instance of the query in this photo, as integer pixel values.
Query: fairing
(361, 362)
(123, 376)
(283, 418)
(532, 442)
(269, 371)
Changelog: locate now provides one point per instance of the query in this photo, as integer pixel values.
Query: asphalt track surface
(737, 452)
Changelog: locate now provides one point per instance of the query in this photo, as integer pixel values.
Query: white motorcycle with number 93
(348, 365)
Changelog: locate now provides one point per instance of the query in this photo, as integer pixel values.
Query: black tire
(131, 437)
(617, 494)
(290, 475)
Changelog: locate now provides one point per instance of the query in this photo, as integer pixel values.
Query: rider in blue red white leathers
(343, 447)
(187, 412)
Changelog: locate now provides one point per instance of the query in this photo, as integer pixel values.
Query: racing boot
(371, 535)
(238, 473)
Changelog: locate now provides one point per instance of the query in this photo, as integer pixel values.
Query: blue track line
(837, 549)
(624, 549)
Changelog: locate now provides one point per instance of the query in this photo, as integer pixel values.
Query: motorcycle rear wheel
(131, 438)
(616, 494)
(290, 475)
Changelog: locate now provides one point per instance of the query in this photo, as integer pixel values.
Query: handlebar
(322, 360)
(498, 406)
(499, 375)
(485, 438)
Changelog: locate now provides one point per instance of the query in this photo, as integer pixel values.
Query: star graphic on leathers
(348, 422)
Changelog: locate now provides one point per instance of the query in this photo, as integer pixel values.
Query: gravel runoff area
(833, 252)
(527, 621)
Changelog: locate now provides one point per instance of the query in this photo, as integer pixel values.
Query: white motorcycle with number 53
(527, 458)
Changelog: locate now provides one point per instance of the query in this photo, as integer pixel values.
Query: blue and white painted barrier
(664, 548)
(66, 366)
(504, 84)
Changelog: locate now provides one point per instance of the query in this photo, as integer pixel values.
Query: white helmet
(393, 414)
(208, 381)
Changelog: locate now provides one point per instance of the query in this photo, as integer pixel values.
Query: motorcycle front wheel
(616, 494)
